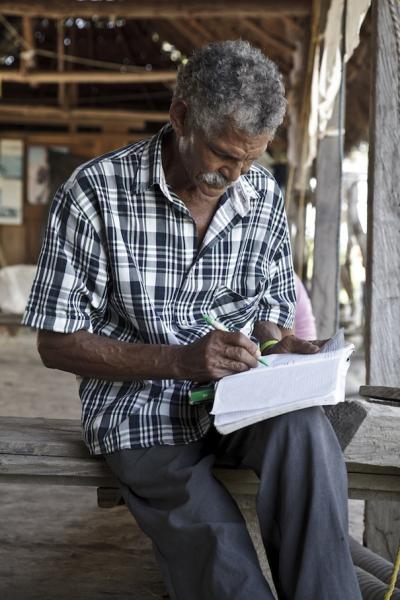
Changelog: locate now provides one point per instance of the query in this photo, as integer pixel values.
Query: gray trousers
(199, 534)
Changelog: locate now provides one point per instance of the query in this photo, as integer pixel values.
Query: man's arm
(217, 354)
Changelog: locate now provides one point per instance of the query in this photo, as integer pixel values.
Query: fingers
(240, 356)
(294, 345)
(229, 352)
(319, 343)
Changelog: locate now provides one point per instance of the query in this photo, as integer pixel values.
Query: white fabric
(330, 70)
(325, 82)
(15, 284)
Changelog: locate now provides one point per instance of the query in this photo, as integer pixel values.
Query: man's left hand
(294, 345)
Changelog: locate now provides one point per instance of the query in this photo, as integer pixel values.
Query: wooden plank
(42, 437)
(380, 391)
(239, 482)
(76, 140)
(108, 497)
(56, 469)
(267, 41)
(154, 9)
(382, 521)
(12, 240)
(10, 319)
(28, 59)
(324, 292)
(376, 442)
(106, 77)
(61, 95)
(375, 483)
(94, 117)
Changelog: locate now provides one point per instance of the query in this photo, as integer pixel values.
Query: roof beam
(155, 9)
(109, 77)
(26, 113)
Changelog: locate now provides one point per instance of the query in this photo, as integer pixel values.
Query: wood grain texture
(155, 8)
(380, 391)
(106, 77)
(42, 437)
(52, 451)
(324, 292)
(10, 111)
(382, 532)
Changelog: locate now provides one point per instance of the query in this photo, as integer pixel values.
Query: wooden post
(28, 61)
(382, 532)
(324, 293)
(60, 61)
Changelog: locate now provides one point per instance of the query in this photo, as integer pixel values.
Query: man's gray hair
(234, 81)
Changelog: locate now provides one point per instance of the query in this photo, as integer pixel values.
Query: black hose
(373, 588)
(372, 563)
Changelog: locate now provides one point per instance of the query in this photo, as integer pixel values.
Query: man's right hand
(217, 354)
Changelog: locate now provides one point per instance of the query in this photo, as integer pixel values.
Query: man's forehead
(239, 141)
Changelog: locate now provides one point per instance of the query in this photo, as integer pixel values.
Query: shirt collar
(151, 172)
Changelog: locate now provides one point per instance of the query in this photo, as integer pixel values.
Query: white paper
(291, 382)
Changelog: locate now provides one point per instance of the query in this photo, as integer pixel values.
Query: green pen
(220, 327)
(201, 394)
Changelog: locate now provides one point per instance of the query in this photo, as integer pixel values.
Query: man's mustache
(216, 180)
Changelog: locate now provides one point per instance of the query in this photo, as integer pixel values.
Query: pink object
(304, 322)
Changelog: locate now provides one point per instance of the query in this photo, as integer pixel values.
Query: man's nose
(233, 171)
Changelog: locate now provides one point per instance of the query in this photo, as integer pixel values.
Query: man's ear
(178, 114)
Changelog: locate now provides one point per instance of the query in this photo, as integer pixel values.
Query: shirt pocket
(234, 310)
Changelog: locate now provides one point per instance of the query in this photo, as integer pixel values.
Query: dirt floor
(55, 543)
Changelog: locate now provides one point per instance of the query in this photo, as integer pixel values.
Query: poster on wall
(41, 171)
(11, 162)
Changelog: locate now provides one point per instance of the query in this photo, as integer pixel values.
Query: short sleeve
(278, 302)
(69, 289)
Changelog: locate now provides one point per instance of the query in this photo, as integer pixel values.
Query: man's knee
(307, 421)
(155, 468)
(307, 430)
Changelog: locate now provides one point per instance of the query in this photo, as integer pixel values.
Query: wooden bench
(51, 451)
(10, 320)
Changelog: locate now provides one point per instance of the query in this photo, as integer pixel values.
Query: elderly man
(141, 243)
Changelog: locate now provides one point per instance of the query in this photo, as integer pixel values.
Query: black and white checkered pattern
(120, 259)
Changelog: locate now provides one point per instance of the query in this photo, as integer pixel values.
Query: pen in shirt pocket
(220, 327)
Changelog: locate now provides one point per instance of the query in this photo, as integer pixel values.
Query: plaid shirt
(120, 259)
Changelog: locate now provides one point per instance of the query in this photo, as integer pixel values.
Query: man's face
(213, 163)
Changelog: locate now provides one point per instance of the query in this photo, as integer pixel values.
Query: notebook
(290, 382)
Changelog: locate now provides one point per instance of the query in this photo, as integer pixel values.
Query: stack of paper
(291, 382)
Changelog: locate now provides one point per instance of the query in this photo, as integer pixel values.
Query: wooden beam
(75, 139)
(9, 112)
(187, 31)
(107, 77)
(324, 292)
(60, 62)
(382, 520)
(28, 60)
(155, 9)
(268, 41)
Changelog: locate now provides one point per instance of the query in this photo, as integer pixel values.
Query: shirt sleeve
(278, 302)
(69, 289)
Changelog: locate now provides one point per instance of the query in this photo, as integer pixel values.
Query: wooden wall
(20, 244)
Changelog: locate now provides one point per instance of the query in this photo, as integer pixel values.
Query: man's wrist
(268, 344)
